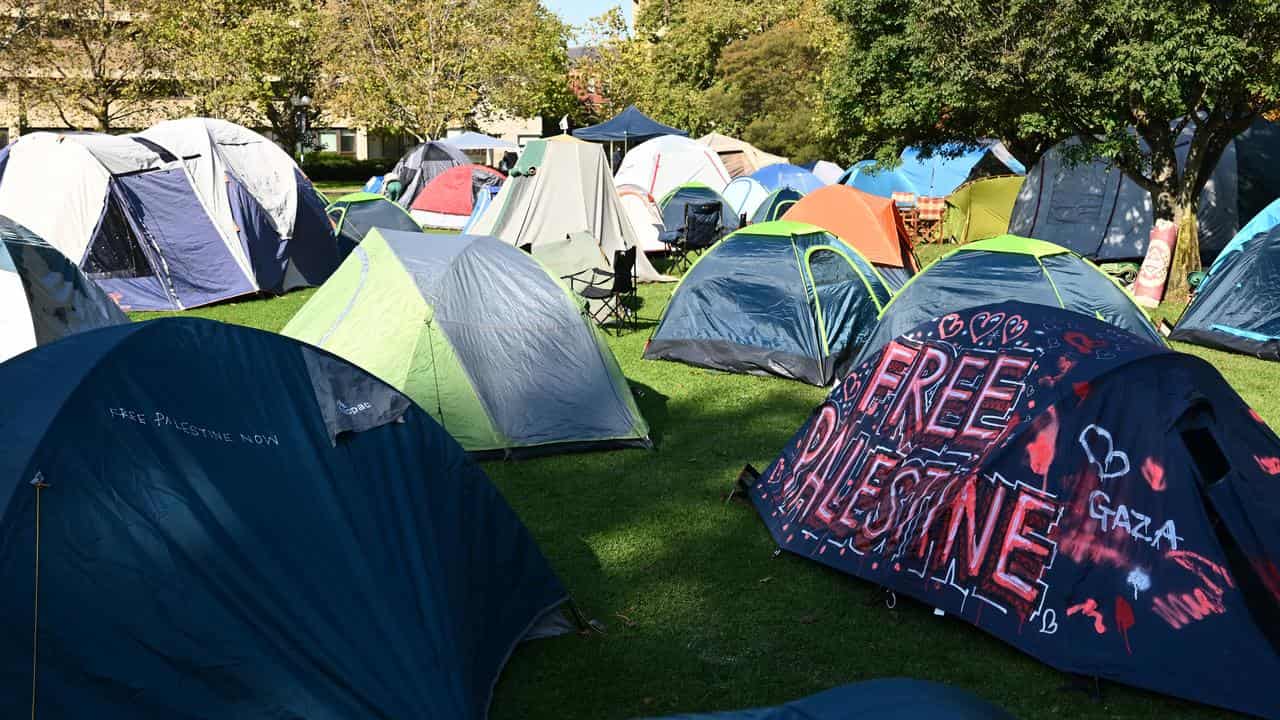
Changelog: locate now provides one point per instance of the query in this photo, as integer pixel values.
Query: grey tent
(481, 336)
(421, 164)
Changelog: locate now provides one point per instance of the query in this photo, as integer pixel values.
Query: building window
(328, 141)
(347, 142)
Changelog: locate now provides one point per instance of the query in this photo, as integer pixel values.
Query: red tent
(447, 201)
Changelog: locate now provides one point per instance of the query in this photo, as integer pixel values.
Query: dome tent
(421, 164)
(1237, 306)
(645, 217)
(869, 223)
(186, 213)
(784, 175)
(900, 698)
(745, 195)
(264, 531)
(1009, 268)
(981, 208)
(479, 334)
(673, 206)
(45, 297)
(355, 214)
(988, 464)
(776, 205)
(779, 298)
(446, 201)
(663, 163)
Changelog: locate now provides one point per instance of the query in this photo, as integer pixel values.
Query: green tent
(357, 213)
(980, 209)
(481, 336)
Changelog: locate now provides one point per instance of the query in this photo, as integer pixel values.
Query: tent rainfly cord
(40, 484)
(435, 374)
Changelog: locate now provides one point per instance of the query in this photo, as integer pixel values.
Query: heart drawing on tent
(949, 325)
(1013, 328)
(1100, 449)
(983, 324)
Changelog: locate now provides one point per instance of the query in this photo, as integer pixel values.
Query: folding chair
(701, 230)
(929, 212)
(610, 295)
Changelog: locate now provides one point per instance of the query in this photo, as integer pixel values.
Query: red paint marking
(1270, 575)
(1124, 620)
(1089, 608)
(1269, 464)
(657, 162)
(1083, 343)
(1081, 389)
(1153, 473)
(1064, 366)
(1040, 450)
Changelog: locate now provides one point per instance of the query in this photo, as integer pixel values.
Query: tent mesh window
(115, 251)
(830, 268)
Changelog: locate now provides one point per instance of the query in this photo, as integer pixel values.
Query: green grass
(699, 614)
(334, 189)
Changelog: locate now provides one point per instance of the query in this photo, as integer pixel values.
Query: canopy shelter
(661, 164)
(560, 203)
(1008, 268)
(1099, 502)
(784, 175)
(980, 209)
(231, 523)
(43, 296)
(629, 127)
(186, 213)
(740, 157)
(355, 214)
(937, 175)
(884, 699)
(483, 147)
(1237, 306)
(779, 298)
(481, 336)
(869, 223)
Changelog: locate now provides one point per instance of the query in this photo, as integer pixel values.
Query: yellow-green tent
(980, 209)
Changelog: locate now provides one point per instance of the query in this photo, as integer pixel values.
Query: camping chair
(701, 230)
(929, 212)
(610, 295)
(906, 204)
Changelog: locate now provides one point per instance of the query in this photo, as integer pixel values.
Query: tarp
(480, 335)
(448, 199)
(355, 214)
(558, 194)
(784, 175)
(936, 176)
(234, 524)
(779, 298)
(740, 157)
(1009, 268)
(43, 296)
(663, 163)
(980, 209)
(887, 699)
(869, 223)
(630, 125)
(988, 464)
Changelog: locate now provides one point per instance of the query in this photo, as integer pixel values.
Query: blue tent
(886, 699)
(1097, 501)
(231, 523)
(784, 175)
(673, 206)
(1237, 307)
(776, 204)
(935, 176)
(628, 126)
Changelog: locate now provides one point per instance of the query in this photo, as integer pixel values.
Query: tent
(936, 176)
(1237, 306)
(828, 172)
(740, 157)
(1098, 211)
(980, 209)
(1006, 268)
(231, 523)
(448, 199)
(354, 215)
(663, 163)
(482, 337)
(482, 202)
(421, 164)
(673, 206)
(779, 298)
(645, 217)
(628, 126)
(885, 699)
(776, 205)
(869, 223)
(783, 175)
(479, 141)
(44, 295)
(561, 203)
(186, 213)
(1099, 502)
(745, 195)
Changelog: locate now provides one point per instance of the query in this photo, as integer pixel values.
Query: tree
(417, 67)
(1129, 77)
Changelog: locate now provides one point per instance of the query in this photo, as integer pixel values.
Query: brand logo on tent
(356, 409)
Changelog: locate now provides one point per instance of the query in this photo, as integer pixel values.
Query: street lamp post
(300, 105)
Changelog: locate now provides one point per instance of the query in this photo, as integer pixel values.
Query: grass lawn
(334, 189)
(699, 614)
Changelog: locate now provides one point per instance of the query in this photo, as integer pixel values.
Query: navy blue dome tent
(1237, 307)
(1100, 502)
(230, 523)
(779, 298)
(673, 205)
(1009, 268)
(777, 205)
(887, 699)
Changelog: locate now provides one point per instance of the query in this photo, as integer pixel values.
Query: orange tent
(869, 223)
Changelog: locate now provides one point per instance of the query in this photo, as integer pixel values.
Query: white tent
(664, 163)
(560, 203)
(646, 219)
(827, 171)
(745, 195)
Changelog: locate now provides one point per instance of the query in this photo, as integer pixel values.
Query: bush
(330, 166)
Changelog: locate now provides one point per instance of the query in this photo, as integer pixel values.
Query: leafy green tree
(1127, 76)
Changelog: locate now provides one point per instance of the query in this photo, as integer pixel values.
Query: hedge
(332, 166)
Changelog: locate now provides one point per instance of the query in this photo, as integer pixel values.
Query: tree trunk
(1186, 256)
